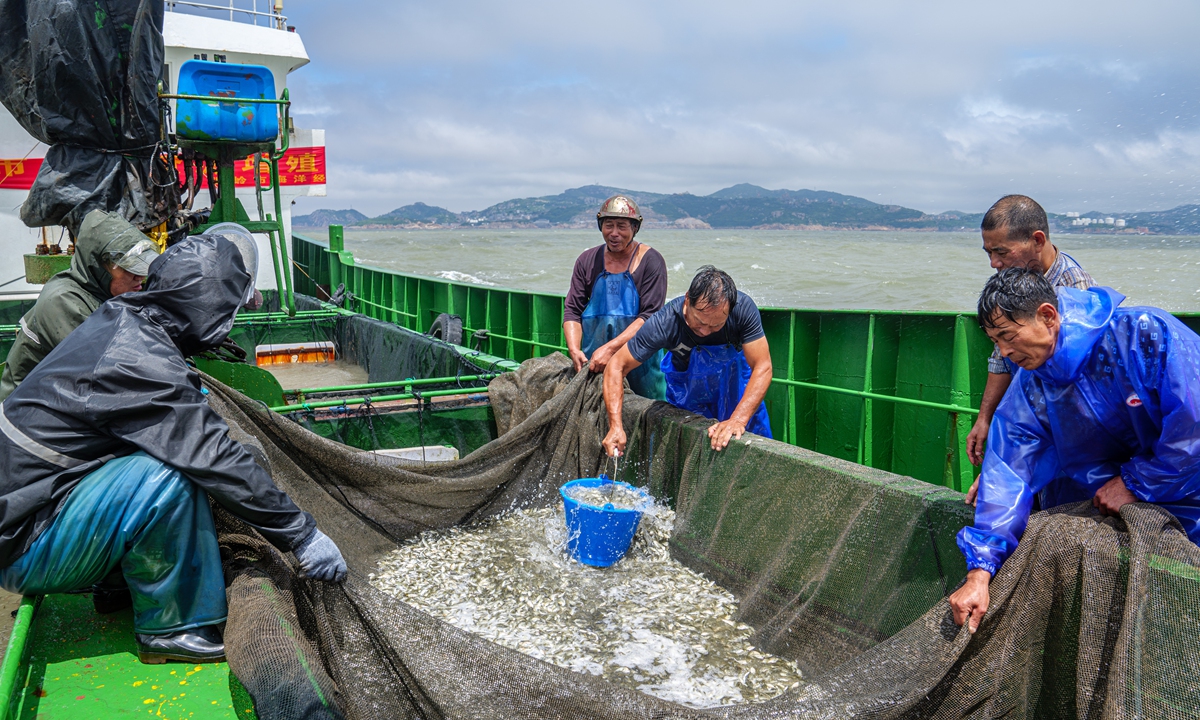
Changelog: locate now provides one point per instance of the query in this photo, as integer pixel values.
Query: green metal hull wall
(844, 384)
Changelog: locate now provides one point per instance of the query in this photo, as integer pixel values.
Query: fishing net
(840, 568)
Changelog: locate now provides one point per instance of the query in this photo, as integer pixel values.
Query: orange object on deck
(286, 354)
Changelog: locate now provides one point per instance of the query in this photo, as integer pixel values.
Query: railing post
(337, 243)
(961, 472)
(866, 438)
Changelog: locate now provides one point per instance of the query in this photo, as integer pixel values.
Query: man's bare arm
(605, 352)
(573, 332)
(993, 393)
(614, 399)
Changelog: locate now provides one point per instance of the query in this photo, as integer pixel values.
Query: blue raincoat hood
(1085, 317)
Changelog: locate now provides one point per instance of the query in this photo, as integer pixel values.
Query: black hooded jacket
(119, 384)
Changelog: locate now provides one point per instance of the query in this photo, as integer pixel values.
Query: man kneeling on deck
(109, 453)
(1105, 407)
(718, 363)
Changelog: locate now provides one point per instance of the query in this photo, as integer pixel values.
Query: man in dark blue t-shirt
(718, 363)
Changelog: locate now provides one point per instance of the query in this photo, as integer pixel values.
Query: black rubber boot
(198, 645)
(111, 594)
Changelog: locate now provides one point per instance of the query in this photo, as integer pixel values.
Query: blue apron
(615, 304)
(713, 385)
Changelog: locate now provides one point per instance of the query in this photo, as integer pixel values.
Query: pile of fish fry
(647, 622)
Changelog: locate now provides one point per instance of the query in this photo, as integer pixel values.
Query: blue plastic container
(599, 536)
(221, 119)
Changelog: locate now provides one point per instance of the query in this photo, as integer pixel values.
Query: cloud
(937, 106)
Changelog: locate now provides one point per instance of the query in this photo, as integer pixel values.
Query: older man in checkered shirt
(1016, 233)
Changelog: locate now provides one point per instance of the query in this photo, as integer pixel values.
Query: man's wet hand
(601, 357)
(578, 359)
(1112, 496)
(722, 432)
(977, 441)
(973, 493)
(971, 600)
(614, 442)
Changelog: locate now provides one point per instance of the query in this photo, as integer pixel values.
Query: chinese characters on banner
(19, 174)
(299, 166)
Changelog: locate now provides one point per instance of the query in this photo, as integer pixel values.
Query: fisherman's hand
(614, 441)
(977, 442)
(1112, 496)
(601, 357)
(971, 600)
(721, 433)
(320, 558)
(578, 359)
(973, 493)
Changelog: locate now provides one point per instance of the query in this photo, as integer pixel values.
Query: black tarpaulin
(81, 76)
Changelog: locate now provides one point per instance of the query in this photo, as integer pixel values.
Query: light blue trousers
(143, 517)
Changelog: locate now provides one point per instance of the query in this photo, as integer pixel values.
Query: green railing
(893, 390)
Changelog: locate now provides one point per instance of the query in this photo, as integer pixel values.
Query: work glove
(320, 558)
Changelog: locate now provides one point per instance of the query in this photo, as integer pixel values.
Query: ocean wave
(456, 276)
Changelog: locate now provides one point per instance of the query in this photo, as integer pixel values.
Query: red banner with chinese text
(19, 174)
(298, 166)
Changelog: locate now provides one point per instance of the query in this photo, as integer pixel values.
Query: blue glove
(320, 558)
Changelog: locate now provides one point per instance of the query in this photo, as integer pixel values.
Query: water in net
(615, 494)
(647, 622)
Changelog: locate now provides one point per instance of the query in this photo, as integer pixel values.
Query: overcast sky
(934, 105)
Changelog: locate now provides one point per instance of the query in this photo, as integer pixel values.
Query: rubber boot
(197, 645)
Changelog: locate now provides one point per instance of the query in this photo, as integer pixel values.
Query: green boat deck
(79, 664)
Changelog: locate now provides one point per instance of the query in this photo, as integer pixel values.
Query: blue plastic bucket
(599, 536)
(223, 117)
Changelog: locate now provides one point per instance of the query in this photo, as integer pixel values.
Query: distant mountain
(1183, 220)
(417, 213)
(322, 218)
(739, 206)
(574, 206)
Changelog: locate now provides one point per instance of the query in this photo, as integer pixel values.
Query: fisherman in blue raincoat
(1105, 407)
(614, 289)
(718, 363)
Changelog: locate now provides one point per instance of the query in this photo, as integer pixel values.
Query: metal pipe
(385, 308)
(491, 334)
(398, 383)
(381, 398)
(217, 98)
(15, 653)
(877, 396)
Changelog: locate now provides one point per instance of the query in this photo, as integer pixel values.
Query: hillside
(738, 206)
(324, 218)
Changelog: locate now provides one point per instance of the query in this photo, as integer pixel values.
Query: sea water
(877, 270)
(648, 622)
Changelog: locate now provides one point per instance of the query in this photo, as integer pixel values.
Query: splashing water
(647, 622)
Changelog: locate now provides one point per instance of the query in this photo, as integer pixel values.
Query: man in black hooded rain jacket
(108, 449)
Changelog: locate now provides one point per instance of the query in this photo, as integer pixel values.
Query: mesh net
(841, 568)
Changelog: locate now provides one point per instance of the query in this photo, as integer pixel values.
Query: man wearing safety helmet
(718, 365)
(614, 289)
(111, 258)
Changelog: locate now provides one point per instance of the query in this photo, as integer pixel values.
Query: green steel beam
(15, 653)
(877, 396)
(380, 398)
(398, 383)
